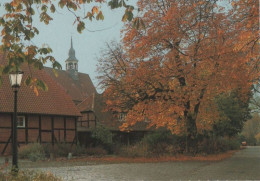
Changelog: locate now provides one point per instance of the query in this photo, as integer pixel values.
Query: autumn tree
(18, 30)
(169, 73)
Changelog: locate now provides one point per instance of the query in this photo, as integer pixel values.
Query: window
(20, 121)
(70, 65)
(122, 116)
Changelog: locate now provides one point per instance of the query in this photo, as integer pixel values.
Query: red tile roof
(55, 101)
(79, 89)
(95, 103)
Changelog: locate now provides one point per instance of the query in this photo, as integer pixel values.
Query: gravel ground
(243, 165)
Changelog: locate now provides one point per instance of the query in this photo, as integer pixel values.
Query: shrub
(48, 149)
(103, 137)
(29, 176)
(96, 151)
(137, 150)
(32, 152)
(233, 144)
(62, 149)
(172, 149)
(218, 144)
(79, 150)
(163, 142)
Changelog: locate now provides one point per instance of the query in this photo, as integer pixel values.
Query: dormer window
(122, 116)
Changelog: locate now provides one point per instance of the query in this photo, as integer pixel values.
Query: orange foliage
(190, 52)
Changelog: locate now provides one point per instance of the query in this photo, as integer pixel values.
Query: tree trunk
(191, 136)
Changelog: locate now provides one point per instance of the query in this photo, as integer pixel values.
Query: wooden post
(52, 131)
(40, 129)
(76, 132)
(88, 118)
(59, 135)
(26, 129)
(65, 128)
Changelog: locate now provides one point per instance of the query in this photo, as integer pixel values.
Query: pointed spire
(71, 51)
(71, 43)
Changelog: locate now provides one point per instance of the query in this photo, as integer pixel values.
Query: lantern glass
(16, 78)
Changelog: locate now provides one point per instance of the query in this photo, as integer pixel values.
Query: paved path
(244, 165)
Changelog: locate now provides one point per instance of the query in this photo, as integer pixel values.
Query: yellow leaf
(35, 90)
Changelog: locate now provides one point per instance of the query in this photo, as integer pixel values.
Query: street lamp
(15, 80)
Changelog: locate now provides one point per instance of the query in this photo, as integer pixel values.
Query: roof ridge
(65, 70)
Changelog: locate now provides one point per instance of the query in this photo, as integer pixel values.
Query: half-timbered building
(49, 117)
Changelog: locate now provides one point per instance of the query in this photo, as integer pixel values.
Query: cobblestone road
(244, 165)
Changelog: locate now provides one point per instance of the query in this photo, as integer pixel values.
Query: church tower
(72, 63)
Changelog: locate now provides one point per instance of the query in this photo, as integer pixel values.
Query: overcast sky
(88, 44)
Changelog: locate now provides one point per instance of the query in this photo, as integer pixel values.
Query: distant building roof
(96, 103)
(55, 101)
(79, 89)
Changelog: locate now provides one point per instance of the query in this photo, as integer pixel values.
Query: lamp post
(15, 80)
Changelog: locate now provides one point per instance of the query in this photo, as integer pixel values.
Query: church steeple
(72, 62)
(71, 51)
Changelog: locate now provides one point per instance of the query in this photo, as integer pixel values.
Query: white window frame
(23, 121)
(122, 116)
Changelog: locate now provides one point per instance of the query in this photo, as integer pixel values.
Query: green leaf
(52, 8)
(129, 15)
(81, 26)
(130, 8)
(113, 4)
(55, 72)
(28, 80)
(61, 4)
(89, 15)
(100, 16)
(122, 3)
(38, 65)
(56, 65)
(44, 8)
(43, 51)
(36, 30)
(8, 7)
(134, 23)
(124, 18)
(2, 21)
(31, 34)
(40, 84)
